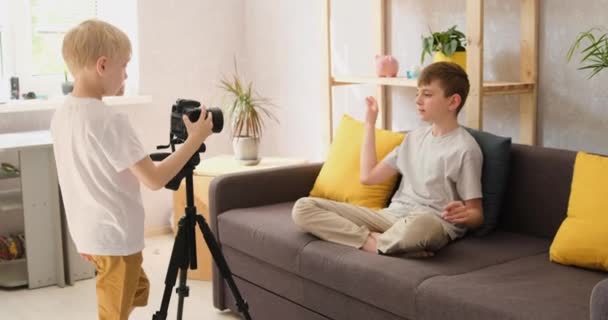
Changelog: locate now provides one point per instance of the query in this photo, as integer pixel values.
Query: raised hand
(372, 111)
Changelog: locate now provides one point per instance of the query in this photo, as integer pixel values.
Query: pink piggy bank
(386, 66)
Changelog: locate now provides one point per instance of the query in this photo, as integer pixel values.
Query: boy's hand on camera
(200, 129)
(372, 111)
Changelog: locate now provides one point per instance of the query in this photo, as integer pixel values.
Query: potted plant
(247, 111)
(445, 46)
(595, 51)
(66, 86)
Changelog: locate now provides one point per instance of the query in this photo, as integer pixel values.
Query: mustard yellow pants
(122, 285)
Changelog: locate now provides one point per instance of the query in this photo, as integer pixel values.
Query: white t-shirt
(94, 147)
(436, 171)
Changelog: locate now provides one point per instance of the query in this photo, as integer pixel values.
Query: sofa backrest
(536, 200)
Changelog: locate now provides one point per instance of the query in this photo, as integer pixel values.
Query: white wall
(282, 60)
(185, 47)
(121, 13)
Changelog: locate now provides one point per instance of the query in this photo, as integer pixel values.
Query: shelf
(489, 88)
(395, 81)
(11, 205)
(14, 106)
(526, 85)
(27, 139)
(6, 177)
(503, 88)
(10, 200)
(13, 273)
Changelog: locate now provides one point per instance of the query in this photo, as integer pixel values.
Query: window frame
(2, 72)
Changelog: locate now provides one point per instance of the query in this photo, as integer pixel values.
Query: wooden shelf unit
(527, 87)
(489, 88)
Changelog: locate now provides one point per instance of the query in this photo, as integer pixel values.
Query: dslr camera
(192, 109)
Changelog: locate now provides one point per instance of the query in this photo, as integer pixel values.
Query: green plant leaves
(246, 108)
(595, 53)
(448, 42)
(450, 48)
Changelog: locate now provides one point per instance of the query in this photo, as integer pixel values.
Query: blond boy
(101, 162)
(440, 192)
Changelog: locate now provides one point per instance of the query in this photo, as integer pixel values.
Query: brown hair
(91, 39)
(452, 79)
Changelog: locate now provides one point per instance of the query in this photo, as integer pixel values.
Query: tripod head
(187, 170)
(178, 134)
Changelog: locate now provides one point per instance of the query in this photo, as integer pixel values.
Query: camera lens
(217, 118)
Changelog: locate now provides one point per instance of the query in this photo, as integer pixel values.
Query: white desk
(43, 225)
(41, 213)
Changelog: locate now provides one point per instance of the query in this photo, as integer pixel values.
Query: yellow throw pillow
(339, 177)
(581, 239)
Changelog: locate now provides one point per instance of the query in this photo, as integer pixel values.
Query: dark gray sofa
(285, 273)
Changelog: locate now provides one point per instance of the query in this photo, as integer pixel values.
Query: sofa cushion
(289, 286)
(389, 283)
(339, 179)
(527, 288)
(581, 240)
(537, 194)
(265, 232)
(496, 152)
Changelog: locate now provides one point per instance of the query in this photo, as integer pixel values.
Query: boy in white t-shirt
(439, 197)
(101, 162)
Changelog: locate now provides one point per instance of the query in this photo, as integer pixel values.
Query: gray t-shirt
(436, 171)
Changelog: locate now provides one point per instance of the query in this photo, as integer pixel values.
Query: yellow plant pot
(460, 58)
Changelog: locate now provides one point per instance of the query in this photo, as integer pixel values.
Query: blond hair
(90, 40)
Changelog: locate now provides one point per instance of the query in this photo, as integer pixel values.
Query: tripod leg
(182, 291)
(222, 265)
(189, 252)
(178, 256)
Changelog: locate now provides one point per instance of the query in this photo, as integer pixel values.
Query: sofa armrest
(263, 187)
(251, 189)
(599, 301)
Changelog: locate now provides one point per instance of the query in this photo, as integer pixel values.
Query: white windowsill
(13, 106)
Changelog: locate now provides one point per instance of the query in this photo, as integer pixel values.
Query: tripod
(184, 248)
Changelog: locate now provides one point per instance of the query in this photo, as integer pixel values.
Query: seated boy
(439, 197)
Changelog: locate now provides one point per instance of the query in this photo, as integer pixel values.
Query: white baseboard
(157, 231)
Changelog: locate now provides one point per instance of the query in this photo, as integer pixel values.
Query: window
(31, 36)
(50, 20)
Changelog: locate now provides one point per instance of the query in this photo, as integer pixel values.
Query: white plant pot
(246, 150)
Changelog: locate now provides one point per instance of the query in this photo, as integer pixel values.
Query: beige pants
(350, 225)
(122, 285)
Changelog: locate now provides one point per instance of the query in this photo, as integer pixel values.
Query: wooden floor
(78, 301)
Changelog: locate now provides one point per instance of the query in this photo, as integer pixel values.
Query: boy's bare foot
(370, 245)
(419, 254)
(374, 235)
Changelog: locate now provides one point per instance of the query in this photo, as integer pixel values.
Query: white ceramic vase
(246, 150)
